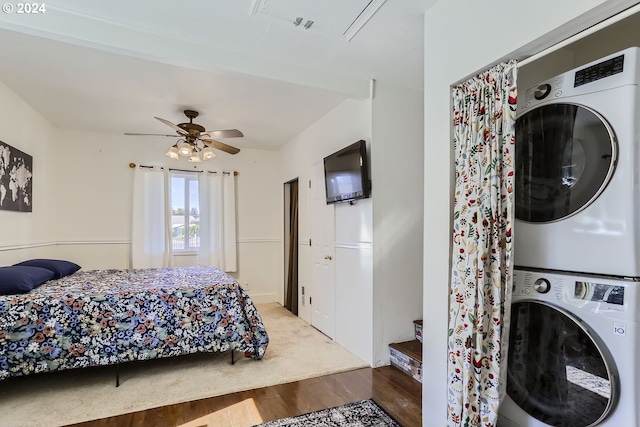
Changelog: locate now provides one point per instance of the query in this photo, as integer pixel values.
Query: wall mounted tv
(346, 174)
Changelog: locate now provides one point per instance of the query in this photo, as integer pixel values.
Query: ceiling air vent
(338, 18)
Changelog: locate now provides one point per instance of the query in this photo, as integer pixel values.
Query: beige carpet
(296, 351)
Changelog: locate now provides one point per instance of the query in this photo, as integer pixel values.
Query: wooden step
(411, 348)
(407, 356)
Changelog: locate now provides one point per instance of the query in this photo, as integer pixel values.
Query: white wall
(345, 124)
(452, 54)
(398, 214)
(27, 234)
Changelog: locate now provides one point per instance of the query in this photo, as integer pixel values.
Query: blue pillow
(20, 279)
(59, 267)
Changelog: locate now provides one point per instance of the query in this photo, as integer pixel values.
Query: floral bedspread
(103, 317)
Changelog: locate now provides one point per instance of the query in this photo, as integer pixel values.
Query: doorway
(291, 246)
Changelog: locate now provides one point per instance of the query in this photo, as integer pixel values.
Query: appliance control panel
(529, 284)
(599, 71)
(543, 90)
(613, 71)
(575, 288)
(616, 298)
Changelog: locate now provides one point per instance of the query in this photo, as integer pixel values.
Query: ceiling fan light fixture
(195, 142)
(208, 154)
(186, 149)
(173, 152)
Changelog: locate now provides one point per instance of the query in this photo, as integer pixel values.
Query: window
(185, 212)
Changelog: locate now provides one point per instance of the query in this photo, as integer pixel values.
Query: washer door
(557, 371)
(565, 156)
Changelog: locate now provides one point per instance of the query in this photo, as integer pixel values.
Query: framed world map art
(16, 179)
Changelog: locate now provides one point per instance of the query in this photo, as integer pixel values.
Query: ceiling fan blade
(176, 127)
(150, 134)
(221, 146)
(227, 133)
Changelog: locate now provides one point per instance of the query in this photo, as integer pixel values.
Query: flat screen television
(346, 174)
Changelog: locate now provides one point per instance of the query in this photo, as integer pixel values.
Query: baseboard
(263, 298)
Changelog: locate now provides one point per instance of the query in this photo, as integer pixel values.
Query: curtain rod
(133, 165)
(584, 33)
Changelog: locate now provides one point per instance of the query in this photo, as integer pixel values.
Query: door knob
(329, 257)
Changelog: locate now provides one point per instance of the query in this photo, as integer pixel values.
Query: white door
(322, 232)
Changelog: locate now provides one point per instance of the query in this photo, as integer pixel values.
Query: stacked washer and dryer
(574, 347)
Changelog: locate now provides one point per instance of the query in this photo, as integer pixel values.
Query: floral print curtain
(481, 280)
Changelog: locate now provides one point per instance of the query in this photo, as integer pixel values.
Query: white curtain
(149, 232)
(218, 220)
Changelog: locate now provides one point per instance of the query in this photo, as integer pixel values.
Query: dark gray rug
(365, 413)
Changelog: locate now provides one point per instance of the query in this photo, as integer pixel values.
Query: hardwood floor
(399, 394)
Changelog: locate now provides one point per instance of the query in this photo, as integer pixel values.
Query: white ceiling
(111, 66)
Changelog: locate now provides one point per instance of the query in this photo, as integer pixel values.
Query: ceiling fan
(195, 142)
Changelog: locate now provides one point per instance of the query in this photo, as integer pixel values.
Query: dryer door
(558, 372)
(565, 156)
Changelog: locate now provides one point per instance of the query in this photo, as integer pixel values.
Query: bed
(106, 317)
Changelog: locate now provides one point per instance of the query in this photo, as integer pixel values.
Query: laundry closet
(575, 323)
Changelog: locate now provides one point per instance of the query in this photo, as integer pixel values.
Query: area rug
(296, 351)
(365, 413)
